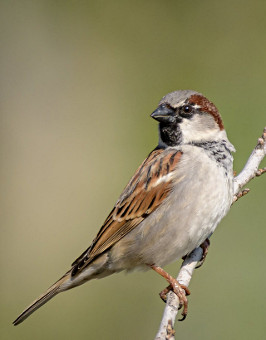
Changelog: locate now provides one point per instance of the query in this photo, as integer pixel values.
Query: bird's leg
(176, 287)
(205, 247)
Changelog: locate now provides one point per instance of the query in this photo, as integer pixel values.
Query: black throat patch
(170, 134)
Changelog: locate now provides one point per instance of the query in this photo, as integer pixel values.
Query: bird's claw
(178, 289)
(205, 247)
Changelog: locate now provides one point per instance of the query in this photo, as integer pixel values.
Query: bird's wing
(146, 190)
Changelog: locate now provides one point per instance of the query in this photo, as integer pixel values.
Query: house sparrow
(171, 205)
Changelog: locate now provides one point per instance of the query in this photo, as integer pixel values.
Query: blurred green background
(78, 82)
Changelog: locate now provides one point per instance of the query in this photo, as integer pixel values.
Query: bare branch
(171, 308)
(250, 171)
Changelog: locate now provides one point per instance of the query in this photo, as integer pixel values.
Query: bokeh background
(78, 82)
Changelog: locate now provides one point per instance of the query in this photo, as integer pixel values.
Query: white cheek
(199, 128)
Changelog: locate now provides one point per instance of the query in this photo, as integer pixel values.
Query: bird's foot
(205, 247)
(180, 290)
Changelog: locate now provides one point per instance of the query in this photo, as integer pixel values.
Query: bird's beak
(164, 114)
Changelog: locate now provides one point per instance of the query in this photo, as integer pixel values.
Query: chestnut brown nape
(207, 106)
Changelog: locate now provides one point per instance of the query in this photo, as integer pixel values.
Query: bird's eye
(186, 110)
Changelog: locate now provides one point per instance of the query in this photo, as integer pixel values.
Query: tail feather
(41, 300)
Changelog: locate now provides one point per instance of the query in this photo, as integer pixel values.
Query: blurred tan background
(78, 82)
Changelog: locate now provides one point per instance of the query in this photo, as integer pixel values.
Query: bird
(171, 205)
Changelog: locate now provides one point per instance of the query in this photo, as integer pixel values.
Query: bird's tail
(49, 294)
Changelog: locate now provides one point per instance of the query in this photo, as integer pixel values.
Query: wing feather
(147, 189)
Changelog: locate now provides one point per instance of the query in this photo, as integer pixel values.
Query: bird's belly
(187, 217)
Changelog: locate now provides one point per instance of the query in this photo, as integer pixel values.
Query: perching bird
(171, 205)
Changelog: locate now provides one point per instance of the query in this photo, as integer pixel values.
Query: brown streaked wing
(144, 193)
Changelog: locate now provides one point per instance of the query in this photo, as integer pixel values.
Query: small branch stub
(241, 194)
(260, 172)
(170, 331)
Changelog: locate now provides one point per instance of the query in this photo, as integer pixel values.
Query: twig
(250, 171)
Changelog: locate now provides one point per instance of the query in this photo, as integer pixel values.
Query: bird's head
(187, 116)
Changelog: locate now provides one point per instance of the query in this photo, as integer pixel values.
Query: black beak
(164, 114)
